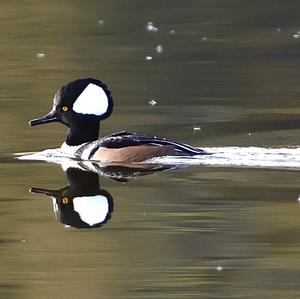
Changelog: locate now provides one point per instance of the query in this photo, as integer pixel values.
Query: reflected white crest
(93, 100)
(91, 209)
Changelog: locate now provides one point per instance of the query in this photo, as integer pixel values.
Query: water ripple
(241, 156)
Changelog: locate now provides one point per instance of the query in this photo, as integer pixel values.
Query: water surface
(228, 76)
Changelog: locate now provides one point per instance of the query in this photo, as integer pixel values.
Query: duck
(81, 105)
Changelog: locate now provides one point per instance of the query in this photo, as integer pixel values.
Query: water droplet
(159, 49)
(151, 27)
(40, 55)
(148, 58)
(152, 102)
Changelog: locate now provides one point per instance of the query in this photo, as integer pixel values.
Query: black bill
(47, 192)
(48, 118)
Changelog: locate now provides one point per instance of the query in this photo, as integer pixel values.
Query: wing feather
(123, 139)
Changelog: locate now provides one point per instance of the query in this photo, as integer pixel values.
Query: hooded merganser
(81, 105)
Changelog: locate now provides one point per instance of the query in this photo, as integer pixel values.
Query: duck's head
(80, 105)
(81, 100)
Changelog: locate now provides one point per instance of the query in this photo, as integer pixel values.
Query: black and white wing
(124, 139)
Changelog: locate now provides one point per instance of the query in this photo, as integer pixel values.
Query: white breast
(70, 150)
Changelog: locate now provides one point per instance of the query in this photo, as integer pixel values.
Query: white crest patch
(91, 209)
(93, 100)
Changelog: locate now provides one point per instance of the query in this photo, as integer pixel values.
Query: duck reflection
(119, 172)
(82, 204)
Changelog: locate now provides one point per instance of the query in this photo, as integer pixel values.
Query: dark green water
(231, 68)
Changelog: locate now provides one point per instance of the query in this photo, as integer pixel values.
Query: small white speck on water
(159, 49)
(197, 127)
(40, 55)
(24, 241)
(219, 268)
(100, 22)
(151, 27)
(278, 29)
(299, 199)
(296, 36)
(152, 102)
(148, 58)
(172, 31)
(204, 38)
(67, 226)
(249, 134)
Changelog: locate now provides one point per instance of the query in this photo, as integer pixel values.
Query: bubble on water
(40, 55)
(100, 22)
(151, 27)
(152, 102)
(219, 268)
(148, 58)
(172, 31)
(296, 36)
(159, 49)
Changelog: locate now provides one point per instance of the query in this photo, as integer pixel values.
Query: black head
(80, 104)
(82, 204)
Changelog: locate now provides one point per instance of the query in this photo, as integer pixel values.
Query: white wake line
(221, 156)
(241, 156)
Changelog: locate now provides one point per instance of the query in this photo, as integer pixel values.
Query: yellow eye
(65, 108)
(65, 200)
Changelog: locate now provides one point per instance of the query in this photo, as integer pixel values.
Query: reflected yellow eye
(65, 108)
(65, 200)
